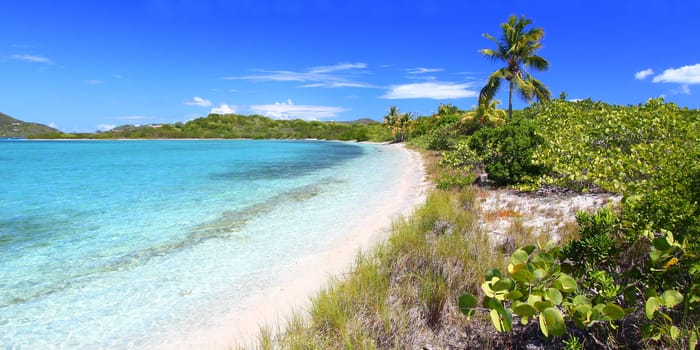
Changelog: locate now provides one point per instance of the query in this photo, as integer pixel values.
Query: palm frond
(492, 85)
(539, 89)
(536, 62)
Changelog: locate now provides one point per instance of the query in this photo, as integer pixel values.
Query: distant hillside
(11, 127)
(232, 126)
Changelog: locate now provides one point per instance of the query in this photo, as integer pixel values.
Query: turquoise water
(118, 244)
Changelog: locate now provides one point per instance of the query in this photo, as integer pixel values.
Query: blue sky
(91, 65)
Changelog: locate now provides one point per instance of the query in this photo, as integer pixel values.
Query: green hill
(11, 127)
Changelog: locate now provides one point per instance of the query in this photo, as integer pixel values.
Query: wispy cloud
(288, 110)
(198, 101)
(31, 58)
(94, 82)
(338, 67)
(683, 75)
(334, 76)
(433, 90)
(422, 70)
(223, 109)
(643, 74)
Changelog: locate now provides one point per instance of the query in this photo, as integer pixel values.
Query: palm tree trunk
(510, 101)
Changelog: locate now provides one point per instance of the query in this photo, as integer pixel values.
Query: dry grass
(403, 293)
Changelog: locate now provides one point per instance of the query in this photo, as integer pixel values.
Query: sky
(82, 66)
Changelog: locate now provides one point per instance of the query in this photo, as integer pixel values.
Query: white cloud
(94, 82)
(433, 90)
(337, 67)
(421, 70)
(105, 127)
(198, 101)
(335, 76)
(52, 125)
(31, 58)
(682, 75)
(223, 109)
(288, 110)
(643, 74)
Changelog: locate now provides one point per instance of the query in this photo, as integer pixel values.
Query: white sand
(310, 274)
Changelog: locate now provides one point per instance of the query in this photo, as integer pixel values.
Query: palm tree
(517, 48)
(391, 121)
(405, 124)
(487, 114)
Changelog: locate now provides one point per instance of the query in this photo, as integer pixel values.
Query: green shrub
(507, 151)
(442, 137)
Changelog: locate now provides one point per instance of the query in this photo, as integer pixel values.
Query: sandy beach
(308, 275)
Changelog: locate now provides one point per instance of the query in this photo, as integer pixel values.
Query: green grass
(402, 293)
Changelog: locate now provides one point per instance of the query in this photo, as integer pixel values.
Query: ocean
(129, 244)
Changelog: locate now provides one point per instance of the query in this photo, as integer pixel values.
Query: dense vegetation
(628, 277)
(11, 127)
(637, 265)
(232, 126)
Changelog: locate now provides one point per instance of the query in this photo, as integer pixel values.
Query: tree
(486, 114)
(517, 48)
(391, 121)
(398, 123)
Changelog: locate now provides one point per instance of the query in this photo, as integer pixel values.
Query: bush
(442, 137)
(507, 152)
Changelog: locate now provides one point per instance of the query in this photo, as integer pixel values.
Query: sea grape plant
(534, 287)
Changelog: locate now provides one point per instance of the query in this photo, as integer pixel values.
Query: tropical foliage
(238, 126)
(399, 124)
(516, 47)
(644, 257)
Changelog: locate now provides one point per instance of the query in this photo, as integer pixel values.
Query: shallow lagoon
(117, 244)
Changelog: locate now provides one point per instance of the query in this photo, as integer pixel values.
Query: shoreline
(271, 308)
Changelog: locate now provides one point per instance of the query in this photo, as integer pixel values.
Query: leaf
(528, 249)
(652, 304)
(671, 298)
(492, 303)
(490, 274)
(581, 300)
(503, 284)
(541, 305)
(467, 303)
(524, 309)
(565, 283)
(523, 276)
(552, 322)
(540, 274)
(502, 319)
(662, 244)
(553, 295)
(671, 262)
(514, 295)
(519, 256)
(613, 311)
(515, 268)
(674, 332)
(486, 288)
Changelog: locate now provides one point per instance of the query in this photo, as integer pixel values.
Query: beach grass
(403, 292)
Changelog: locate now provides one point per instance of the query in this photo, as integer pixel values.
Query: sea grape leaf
(565, 283)
(613, 311)
(652, 304)
(552, 322)
(524, 309)
(467, 303)
(553, 295)
(523, 276)
(671, 298)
